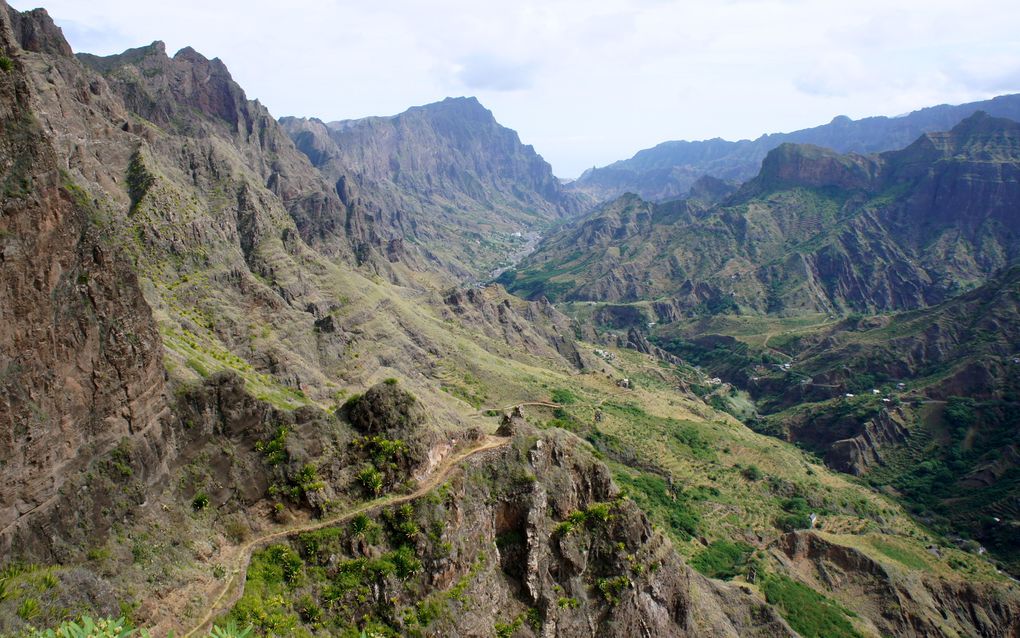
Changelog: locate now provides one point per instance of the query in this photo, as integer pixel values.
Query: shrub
(371, 479)
(611, 588)
(563, 396)
(360, 524)
(230, 630)
(236, 528)
(792, 522)
(384, 452)
(29, 609)
(275, 449)
(506, 630)
(723, 559)
(6, 64)
(752, 473)
(405, 562)
(563, 529)
(309, 611)
(200, 502)
(809, 613)
(89, 628)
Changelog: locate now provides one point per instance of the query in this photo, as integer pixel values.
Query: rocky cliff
(80, 352)
(445, 177)
(492, 553)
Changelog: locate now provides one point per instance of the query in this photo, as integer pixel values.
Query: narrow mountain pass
(237, 561)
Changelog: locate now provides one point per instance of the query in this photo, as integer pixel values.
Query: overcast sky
(586, 82)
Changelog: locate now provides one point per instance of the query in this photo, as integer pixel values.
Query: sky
(587, 82)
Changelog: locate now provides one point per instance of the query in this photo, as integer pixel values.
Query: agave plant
(89, 628)
(121, 628)
(229, 631)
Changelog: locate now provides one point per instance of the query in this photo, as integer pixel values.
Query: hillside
(222, 398)
(814, 231)
(445, 176)
(668, 170)
(922, 402)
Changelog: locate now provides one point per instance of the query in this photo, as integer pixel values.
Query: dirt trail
(237, 563)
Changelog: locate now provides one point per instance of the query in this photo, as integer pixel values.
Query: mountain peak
(814, 166)
(460, 107)
(35, 31)
(981, 122)
(980, 136)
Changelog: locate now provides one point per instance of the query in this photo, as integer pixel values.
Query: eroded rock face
(864, 450)
(443, 175)
(80, 353)
(385, 407)
(536, 327)
(900, 605)
(35, 31)
(494, 551)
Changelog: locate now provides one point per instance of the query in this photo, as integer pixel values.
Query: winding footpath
(233, 584)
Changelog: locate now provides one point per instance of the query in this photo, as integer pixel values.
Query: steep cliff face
(436, 175)
(81, 356)
(494, 550)
(815, 231)
(898, 606)
(533, 327)
(191, 96)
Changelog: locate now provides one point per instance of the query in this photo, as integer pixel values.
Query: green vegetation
(6, 64)
(723, 559)
(371, 479)
(611, 588)
(563, 396)
(671, 507)
(900, 554)
(797, 516)
(200, 502)
(384, 453)
(139, 178)
(752, 473)
(275, 449)
(591, 516)
(686, 436)
(506, 630)
(86, 627)
(808, 612)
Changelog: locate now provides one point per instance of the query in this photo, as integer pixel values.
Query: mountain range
(814, 231)
(668, 170)
(445, 176)
(249, 379)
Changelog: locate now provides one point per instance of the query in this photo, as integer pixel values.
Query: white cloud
(486, 72)
(585, 81)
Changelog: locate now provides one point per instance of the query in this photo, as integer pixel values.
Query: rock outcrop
(535, 327)
(857, 454)
(898, 605)
(495, 552)
(79, 350)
